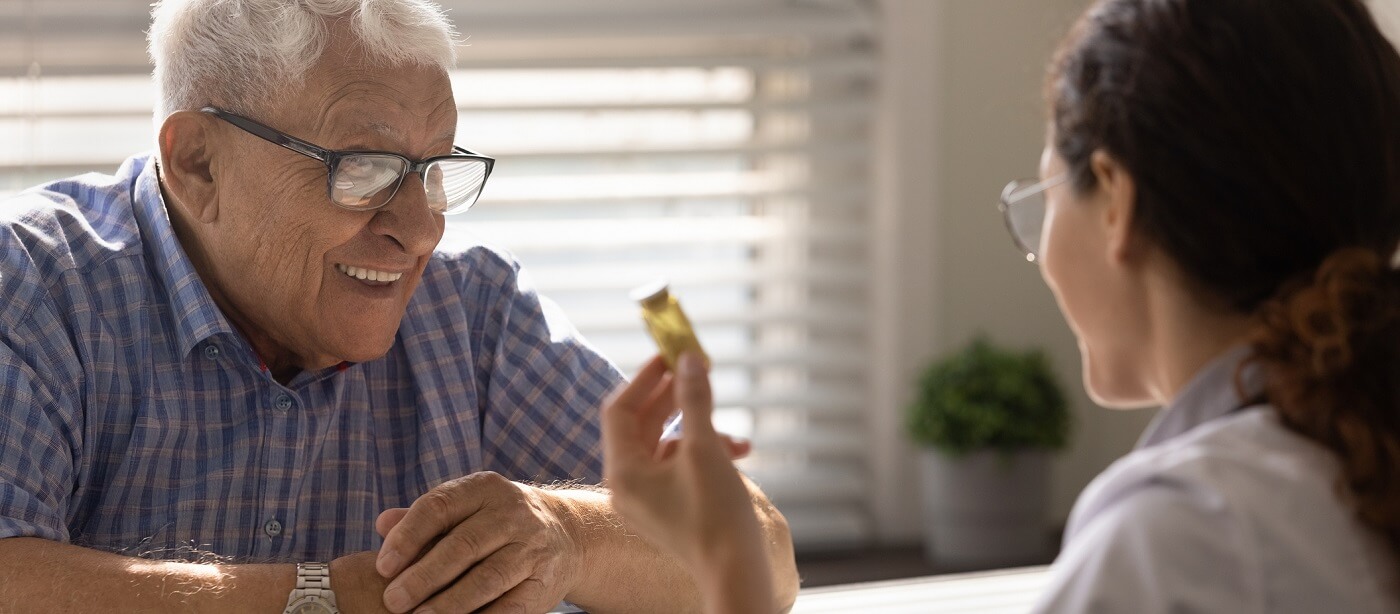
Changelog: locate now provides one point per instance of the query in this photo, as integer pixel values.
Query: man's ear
(187, 167)
(1119, 191)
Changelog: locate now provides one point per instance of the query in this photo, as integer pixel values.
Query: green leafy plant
(985, 397)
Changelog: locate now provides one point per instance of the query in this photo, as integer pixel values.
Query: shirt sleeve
(36, 453)
(1160, 548)
(544, 390)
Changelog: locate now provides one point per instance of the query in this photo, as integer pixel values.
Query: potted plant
(986, 420)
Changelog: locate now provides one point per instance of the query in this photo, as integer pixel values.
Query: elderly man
(244, 353)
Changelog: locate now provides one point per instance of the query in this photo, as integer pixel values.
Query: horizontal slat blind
(722, 145)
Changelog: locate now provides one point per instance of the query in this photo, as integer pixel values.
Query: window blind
(721, 145)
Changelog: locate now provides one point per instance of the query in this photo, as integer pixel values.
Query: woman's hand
(684, 494)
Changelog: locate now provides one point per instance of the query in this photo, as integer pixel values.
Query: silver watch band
(313, 591)
(314, 579)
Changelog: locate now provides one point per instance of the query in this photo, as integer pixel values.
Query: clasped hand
(487, 543)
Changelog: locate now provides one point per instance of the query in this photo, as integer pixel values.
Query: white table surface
(1007, 590)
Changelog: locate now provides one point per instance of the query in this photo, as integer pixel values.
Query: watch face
(312, 606)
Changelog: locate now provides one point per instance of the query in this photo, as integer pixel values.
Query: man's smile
(369, 276)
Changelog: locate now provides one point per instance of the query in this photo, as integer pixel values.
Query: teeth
(367, 274)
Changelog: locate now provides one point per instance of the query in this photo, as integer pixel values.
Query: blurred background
(817, 178)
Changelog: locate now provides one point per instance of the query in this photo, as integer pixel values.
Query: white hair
(247, 53)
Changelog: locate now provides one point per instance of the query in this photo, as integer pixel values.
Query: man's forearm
(625, 573)
(38, 575)
(622, 573)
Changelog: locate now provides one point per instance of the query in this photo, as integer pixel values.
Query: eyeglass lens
(1025, 214)
(367, 181)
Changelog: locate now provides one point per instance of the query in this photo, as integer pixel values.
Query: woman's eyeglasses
(1023, 208)
(365, 180)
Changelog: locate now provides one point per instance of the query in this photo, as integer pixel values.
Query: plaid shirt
(133, 418)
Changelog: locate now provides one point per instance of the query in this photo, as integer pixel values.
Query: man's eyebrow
(385, 130)
(382, 128)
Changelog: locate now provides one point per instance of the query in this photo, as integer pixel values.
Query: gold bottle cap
(650, 293)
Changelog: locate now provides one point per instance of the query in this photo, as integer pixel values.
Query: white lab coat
(1220, 509)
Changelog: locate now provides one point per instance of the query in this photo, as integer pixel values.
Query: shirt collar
(196, 316)
(1211, 394)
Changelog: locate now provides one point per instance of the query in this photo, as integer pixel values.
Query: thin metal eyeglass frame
(1014, 194)
(331, 158)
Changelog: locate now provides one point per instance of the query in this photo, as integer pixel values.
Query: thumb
(693, 396)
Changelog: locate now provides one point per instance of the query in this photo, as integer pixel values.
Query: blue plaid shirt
(133, 418)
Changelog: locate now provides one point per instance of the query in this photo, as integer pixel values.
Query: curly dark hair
(1264, 139)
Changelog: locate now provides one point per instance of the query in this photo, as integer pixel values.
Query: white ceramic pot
(985, 509)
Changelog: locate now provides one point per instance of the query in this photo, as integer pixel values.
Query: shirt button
(211, 352)
(284, 402)
(272, 528)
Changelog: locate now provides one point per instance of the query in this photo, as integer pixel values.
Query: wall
(961, 115)
(1387, 14)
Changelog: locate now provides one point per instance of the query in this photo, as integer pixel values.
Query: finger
(636, 392)
(463, 547)
(736, 447)
(529, 596)
(659, 409)
(623, 437)
(388, 518)
(484, 583)
(432, 515)
(694, 397)
(667, 448)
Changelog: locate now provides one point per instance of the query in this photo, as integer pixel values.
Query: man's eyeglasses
(1023, 207)
(365, 180)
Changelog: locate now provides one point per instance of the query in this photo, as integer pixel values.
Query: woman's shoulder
(1247, 457)
(1246, 469)
(1241, 504)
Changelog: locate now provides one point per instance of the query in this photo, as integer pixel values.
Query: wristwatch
(313, 592)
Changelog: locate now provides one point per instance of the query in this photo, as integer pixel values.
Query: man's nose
(408, 220)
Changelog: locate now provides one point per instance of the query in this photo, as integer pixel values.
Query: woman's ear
(186, 164)
(1118, 190)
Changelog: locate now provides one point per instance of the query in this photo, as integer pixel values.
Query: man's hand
(359, 589)
(484, 541)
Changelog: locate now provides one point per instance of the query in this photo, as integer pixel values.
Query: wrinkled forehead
(408, 109)
(349, 95)
(378, 126)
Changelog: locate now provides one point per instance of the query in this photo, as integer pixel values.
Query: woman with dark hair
(1217, 213)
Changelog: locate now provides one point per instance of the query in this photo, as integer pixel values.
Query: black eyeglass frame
(331, 158)
(1019, 191)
